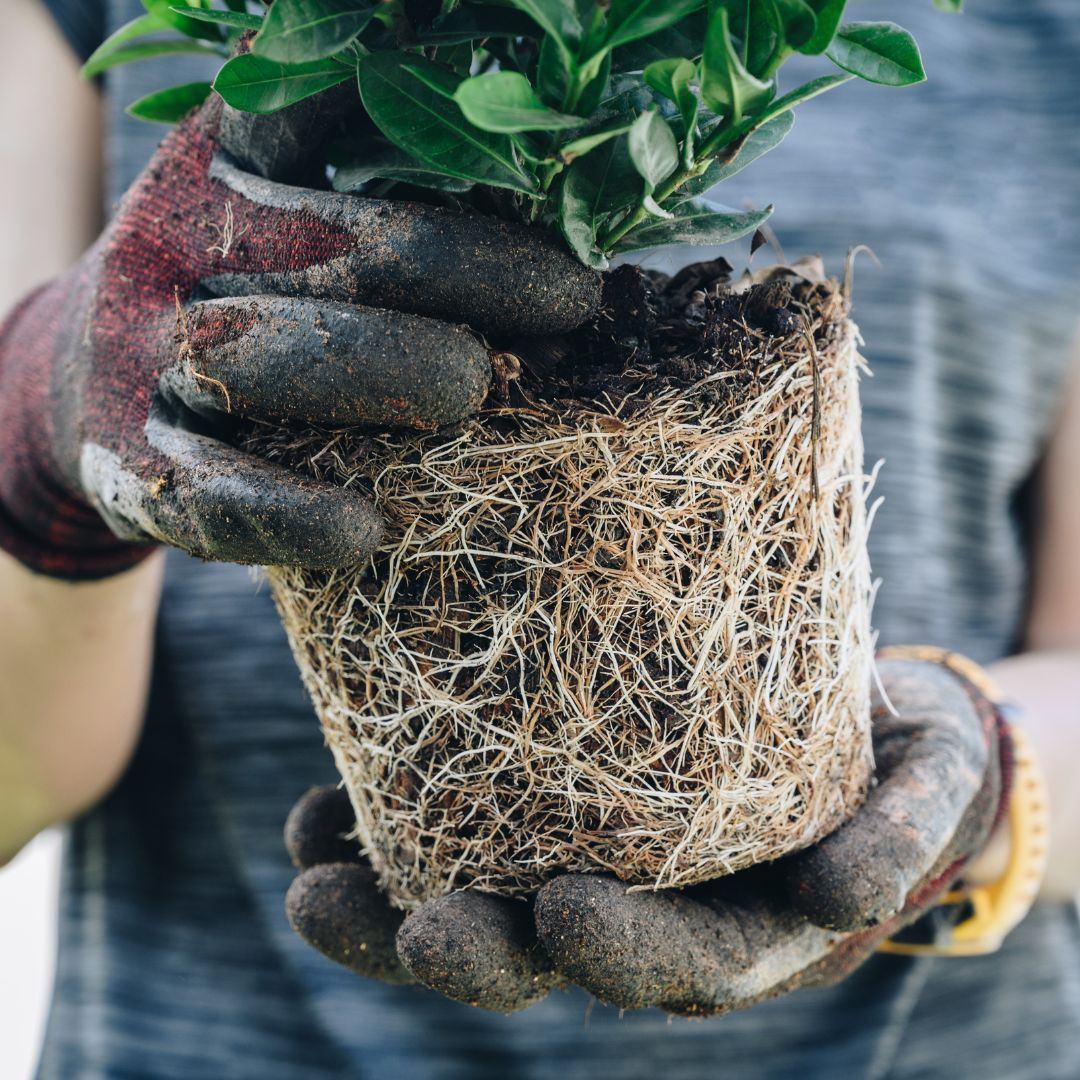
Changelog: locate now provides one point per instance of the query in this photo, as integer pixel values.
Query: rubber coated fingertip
(317, 826)
(855, 878)
(477, 949)
(633, 949)
(337, 908)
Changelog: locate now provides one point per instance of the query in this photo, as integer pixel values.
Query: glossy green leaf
(629, 20)
(726, 85)
(357, 164)
(578, 147)
(879, 52)
(428, 124)
(763, 33)
(799, 21)
(131, 31)
(683, 39)
(672, 79)
(436, 77)
(653, 149)
(504, 101)
(953, 7)
(554, 72)
(667, 76)
(578, 222)
(236, 20)
(829, 13)
(110, 55)
(595, 89)
(596, 187)
(800, 94)
(758, 142)
(257, 85)
(475, 23)
(557, 18)
(178, 20)
(694, 222)
(299, 31)
(171, 105)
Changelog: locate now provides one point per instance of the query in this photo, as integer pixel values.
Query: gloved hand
(807, 920)
(217, 294)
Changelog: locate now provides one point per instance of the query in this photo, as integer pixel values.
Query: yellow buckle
(999, 907)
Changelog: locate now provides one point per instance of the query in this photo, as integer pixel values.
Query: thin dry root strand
(186, 352)
(628, 638)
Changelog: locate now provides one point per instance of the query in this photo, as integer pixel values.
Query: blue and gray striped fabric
(175, 957)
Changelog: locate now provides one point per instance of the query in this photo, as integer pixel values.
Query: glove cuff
(43, 524)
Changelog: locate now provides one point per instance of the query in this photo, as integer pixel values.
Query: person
(156, 705)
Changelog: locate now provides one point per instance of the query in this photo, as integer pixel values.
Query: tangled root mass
(620, 620)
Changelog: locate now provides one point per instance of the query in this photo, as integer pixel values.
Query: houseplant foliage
(620, 620)
(607, 121)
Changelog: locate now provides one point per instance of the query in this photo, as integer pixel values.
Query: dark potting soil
(654, 332)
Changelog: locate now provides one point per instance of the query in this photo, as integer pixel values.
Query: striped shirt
(175, 957)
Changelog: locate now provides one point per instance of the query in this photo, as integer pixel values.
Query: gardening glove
(335, 905)
(218, 295)
(808, 920)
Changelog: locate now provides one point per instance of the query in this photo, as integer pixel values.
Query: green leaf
(828, 14)
(171, 105)
(695, 222)
(629, 20)
(296, 31)
(428, 124)
(595, 88)
(760, 141)
(672, 79)
(800, 22)
(953, 7)
(879, 52)
(554, 72)
(254, 84)
(666, 76)
(192, 28)
(726, 85)
(503, 101)
(137, 28)
(800, 94)
(653, 149)
(763, 33)
(435, 77)
(359, 163)
(578, 222)
(110, 55)
(578, 147)
(682, 39)
(476, 23)
(557, 18)
(596, 187)
(236, 19)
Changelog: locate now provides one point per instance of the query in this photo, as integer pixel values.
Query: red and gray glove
(218, 294)
(808, 920)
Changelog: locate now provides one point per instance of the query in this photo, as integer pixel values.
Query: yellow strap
(998, 908)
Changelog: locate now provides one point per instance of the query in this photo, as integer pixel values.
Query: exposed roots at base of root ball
(628, 636)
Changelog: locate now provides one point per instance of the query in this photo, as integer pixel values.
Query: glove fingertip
(338, 910)
(317, 827)
(847, 885)
(477, 949)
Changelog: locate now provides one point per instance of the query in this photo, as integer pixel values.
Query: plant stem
(723, 135)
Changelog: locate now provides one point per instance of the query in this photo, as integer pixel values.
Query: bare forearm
(1046, 685)
(74, 666)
